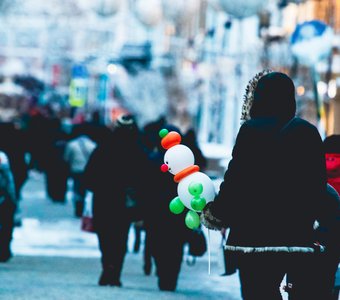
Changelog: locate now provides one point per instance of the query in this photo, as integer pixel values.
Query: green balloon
(192, 220)
(195, 188)
(198, 203)
(176, 206)
(162, 133)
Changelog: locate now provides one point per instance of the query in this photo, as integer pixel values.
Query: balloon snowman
(195, 189)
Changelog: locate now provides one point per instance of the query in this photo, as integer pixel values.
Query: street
(54, 259)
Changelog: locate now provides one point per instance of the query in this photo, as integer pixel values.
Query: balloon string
(209, 257)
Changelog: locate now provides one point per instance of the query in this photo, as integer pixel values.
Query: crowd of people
(119, 165)
(282, 215)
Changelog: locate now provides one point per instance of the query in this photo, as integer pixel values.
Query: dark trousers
(138, 232)
(260, 276)
(320, 279)
(147, 255)
(78, 193)
(78, 187)
(7, 209)
(168, 257)
(113, 246)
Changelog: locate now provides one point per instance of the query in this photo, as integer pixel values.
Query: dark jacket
(114, 167)
(328, 231)
(274, 187)
(159, 190)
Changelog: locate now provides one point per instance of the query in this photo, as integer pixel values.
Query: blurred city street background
(180, 62)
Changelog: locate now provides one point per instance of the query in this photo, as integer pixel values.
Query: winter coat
(77, 153)
(274, 187)
(158, 190)
(114, 167)
(328, 230)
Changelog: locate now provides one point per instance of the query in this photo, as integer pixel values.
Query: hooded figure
(272, 191)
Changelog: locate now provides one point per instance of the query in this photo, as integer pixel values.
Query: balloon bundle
(195, 189)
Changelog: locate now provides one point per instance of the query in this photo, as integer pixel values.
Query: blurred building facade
(187, 60)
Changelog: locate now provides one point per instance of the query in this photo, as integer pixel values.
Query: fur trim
(208, 220)
(248, 97)
(280, 249)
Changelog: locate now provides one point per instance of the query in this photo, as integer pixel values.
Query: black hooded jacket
(274, 187)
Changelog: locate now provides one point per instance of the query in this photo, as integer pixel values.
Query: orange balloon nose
(164, 168)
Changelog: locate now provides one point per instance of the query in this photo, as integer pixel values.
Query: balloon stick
(209, 257)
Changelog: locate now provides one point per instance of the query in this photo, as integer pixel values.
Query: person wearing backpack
(7, 207)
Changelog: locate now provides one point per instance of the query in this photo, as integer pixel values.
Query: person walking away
(269, 206)
(113, 169)
(7, 207)
(166, 233)
(77, 153)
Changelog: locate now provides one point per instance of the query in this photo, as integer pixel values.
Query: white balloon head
(178, 158)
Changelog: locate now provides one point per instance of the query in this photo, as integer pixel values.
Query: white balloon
(149, 12)
(178, 158)
(107, 8)
(243, 8)
(183, 188)
(180, 11)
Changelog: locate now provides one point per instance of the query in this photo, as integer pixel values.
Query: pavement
(54, 259)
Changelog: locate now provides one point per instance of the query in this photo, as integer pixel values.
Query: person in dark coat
(114, 168)
(12, 142)
(165, 232)
(273, 191)
(8, 204)
(327, 234)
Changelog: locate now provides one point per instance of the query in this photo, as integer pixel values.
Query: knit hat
(126, 121)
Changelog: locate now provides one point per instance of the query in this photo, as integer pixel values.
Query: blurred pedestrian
(55, 167)
(190, 140)
(77, 153)
(165, 232)
(13, 143)
(113, 171)
(327, 234)
(7, 207)
(273, 191)
(332, 149)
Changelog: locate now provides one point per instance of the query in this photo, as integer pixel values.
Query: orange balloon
(173, 138)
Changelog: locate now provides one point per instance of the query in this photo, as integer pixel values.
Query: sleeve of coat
(217, 214)
(91, 170)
